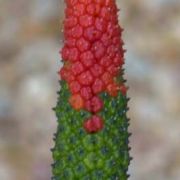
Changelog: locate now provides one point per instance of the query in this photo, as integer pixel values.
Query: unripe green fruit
(100, 156)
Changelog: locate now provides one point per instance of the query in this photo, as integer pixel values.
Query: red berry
(107, 78)
(70, 42)
(97, 9)
(70, 77)
(87, 58)
(98, 49)
(96, 70)
(118, 60)
(86, 20)
(96, 104)
(111, 51)
(70, 54)
(85, 1)
(74, 87)
(112, 29)
(106, 39)
(98, 86)
(92, 34)
(116, 40)
(85, 78)
(91, 9)
(113, 70)
(105, 13)
(76, 32)
(77, 68)
(83, 45)
(105, 61)
(71, 2)
(86, 92)
(98, 122)
(110, 3)
(79, 9)
(123, 89)
(73, 54)
(93, 124)
(117, 30)
(66, 75)
(65, 53)
(76, 101)
(63, 73)
(88, 106)
(112, 89)
(68, 12)
(70, 22)
(100, 2)
(100, 24)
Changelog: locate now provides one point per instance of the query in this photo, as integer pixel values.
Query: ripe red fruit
(86, 92)
(91, 9)
(92, 34)
(113, 70)
(98, 86)
(96, 70)
(118, 60)
(70, 54)
(88, 105)
(105, 61)
(93, 50)
(93, 124)
(63, 73)
(85, 78)
(107, 78)
(70, 42)
(85, 1)
(86, 20)
(70, 77)
(77, 68)
(65, 53)
(105, 13)
(76, 32)
(111, 51)
(87, 58)
(106, 39)
(112, 89)
(82, 44)
(73, 54)
(123, 89)
(71, 2)
(100, 2)
(99, 49)
(74, 87)
(79, 9)
(69, 11)
(116, 41)
(96, 104)
(66, 75)
(70, 22)
(100, 24)
(76, 101)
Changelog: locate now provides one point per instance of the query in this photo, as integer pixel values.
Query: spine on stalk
(92, 135)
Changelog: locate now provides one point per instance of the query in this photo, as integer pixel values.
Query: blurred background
(30, 38)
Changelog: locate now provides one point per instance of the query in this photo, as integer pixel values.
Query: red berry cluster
(94, 124)
(93, 53)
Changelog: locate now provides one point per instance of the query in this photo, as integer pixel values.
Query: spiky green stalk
(81, 156)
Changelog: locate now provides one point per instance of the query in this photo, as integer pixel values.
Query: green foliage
(81, 156)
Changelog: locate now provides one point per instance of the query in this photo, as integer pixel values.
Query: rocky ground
(30, 38)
